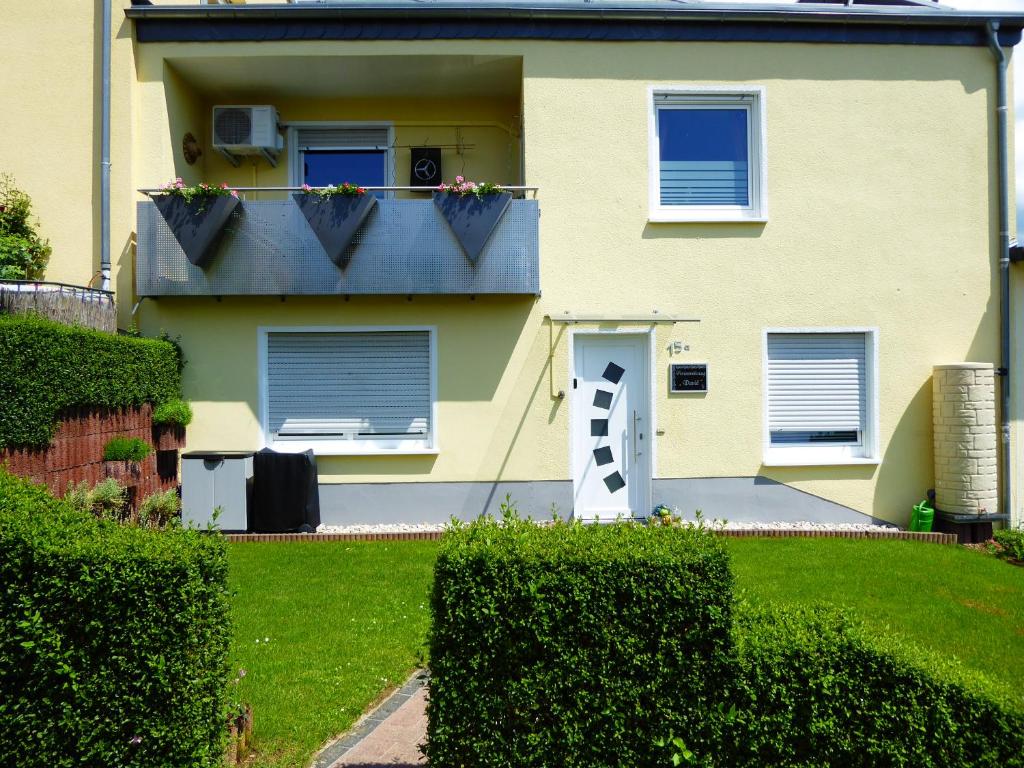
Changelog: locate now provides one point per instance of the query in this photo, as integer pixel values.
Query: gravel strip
(730, 525)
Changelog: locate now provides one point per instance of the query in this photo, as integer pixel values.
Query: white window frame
(866, 452)
(757, 152)
(295, 167)
(341, 446)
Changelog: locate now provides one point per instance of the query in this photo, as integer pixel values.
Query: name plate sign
(688, 377)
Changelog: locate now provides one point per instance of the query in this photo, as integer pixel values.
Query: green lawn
(943, 598)
(345, 621)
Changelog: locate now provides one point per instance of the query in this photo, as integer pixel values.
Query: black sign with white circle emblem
(425, 167)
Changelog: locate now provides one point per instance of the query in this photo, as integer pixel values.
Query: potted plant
(169, 422)
(472, 211)
(335, 214)
(196, 215)
(121, 459)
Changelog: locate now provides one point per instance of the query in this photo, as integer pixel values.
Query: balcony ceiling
(332, 77)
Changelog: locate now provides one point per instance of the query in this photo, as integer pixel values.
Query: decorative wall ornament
(190, 148)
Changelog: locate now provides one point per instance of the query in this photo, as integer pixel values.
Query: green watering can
(924, 515)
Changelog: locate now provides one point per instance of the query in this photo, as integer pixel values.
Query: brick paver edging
(885, 533)
(268, 537)
(928, 538)
(366, 724)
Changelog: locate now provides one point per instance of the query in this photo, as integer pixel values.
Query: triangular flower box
(197, 225)
(472, 219)
(335, 220)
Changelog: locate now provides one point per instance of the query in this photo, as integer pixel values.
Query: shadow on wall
(123, 267)
(907, 470)
(544, 385)
(836, 63)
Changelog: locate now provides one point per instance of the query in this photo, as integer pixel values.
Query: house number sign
(688, 377)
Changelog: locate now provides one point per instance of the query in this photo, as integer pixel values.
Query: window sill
(347, 448)
(822, 460)
(704, 217)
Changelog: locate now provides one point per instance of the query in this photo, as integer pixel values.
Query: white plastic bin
(212, 479)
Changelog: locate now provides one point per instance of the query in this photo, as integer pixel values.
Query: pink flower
(459, 179)
(179, 183)
(234, 193)
(306, 188)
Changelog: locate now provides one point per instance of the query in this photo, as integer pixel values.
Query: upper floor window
(707, 154)
(332, 154)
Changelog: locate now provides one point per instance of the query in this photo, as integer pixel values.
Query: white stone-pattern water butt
(964, 416)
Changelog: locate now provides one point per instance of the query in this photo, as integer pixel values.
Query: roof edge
(621, 10)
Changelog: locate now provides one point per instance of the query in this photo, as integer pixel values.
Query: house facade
(741, 238)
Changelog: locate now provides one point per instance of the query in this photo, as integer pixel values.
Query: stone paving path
(389, 736)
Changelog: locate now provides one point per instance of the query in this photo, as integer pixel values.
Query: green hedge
(573, 645)
(48, 367)
(814, 688)
(113, 639)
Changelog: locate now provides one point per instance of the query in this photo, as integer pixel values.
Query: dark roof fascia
(652, 21)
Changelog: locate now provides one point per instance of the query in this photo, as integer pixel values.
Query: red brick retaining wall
(930, 538)
(76, 452)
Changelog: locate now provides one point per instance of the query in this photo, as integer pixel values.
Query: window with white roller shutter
(819, 398)
(357, 388)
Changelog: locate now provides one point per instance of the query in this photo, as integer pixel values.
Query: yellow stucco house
(740, 238)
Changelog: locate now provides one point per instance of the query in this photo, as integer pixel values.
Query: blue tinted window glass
(704, 157)
(326, 167)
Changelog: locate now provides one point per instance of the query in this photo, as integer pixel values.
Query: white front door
(611, 426)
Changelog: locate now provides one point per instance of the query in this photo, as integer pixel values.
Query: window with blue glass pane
(365, 168)
(704, 157)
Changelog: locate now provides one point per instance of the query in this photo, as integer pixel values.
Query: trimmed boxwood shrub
(575, 645)
(814, 688)
(48, 367)
(113, 639)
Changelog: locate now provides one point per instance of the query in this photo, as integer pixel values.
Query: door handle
(636, 433)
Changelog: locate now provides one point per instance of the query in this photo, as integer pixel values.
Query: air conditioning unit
(246, 130)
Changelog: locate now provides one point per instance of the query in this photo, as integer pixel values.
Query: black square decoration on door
(424, 167)
(613, 373)
(602, 399)
(614, 482)
(603, 456)
(599, 427)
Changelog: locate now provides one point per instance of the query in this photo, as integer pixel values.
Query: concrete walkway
(389, 736)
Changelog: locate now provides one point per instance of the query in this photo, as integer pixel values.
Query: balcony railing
(404, 247)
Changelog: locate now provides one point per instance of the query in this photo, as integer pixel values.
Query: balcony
(404, 247)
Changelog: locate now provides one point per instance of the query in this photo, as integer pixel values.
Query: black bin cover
(285, 493)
